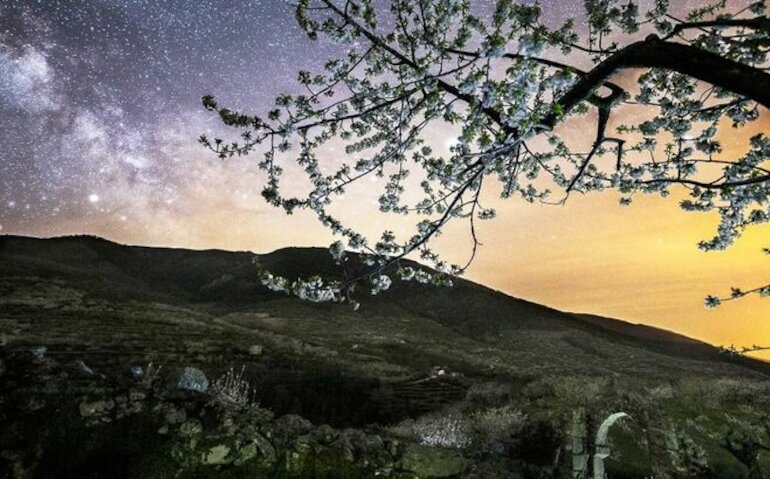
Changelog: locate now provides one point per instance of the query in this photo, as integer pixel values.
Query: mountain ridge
(596, 319)
(221, 283)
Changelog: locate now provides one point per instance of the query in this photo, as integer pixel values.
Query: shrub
(573, 390)
(660, 393)
(489, 393)
(688, 458)
(446, 431)
(459, 430)
(497, 424)
(443, 430)
(231, 389)
(580, 390)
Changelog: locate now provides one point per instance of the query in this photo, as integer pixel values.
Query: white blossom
(380, 283)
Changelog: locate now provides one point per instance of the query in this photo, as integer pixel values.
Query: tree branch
(447, 87)
(656, 53)
(758, 23)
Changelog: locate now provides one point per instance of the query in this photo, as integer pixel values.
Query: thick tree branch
(714, 185)
(655, 53)
(594, 99)
(758, 23)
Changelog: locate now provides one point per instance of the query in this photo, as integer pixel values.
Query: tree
(507, 83)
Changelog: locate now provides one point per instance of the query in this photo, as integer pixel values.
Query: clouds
(27, 80)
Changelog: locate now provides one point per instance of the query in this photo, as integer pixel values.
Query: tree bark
(653, 52)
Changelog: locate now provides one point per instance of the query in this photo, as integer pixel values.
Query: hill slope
(113, 306)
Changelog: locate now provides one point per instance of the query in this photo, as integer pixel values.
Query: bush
(449, 430)
(497, 424)
(458, 430)
(231, 389)
(687, 457)
(660, 393)
(489, 394)
(572, 390)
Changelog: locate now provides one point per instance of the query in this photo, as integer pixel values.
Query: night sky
(100, 99)
(100, 108)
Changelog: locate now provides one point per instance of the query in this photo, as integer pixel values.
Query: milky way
(100, 100)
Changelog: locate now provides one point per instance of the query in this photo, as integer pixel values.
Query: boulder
(96, 408)
(265, 448)
(218, 454)
(292, 425)
(82, 368)
(433, 462)
(256, 350)
(39, 352)
(297, 458)
(193, 379)
(173, 414)
(190, 429)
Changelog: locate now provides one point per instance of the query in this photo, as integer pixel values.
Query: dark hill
(113, 305)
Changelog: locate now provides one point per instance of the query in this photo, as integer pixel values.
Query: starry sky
(103, 99)
(100, 101)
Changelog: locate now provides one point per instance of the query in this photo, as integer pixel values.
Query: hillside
(86, 286)
(78, 309)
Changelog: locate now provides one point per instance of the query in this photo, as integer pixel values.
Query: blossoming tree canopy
(506, 81)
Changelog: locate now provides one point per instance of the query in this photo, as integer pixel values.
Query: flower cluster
(337, 250)
(380, 283)
(313, 289)
(445, 431)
